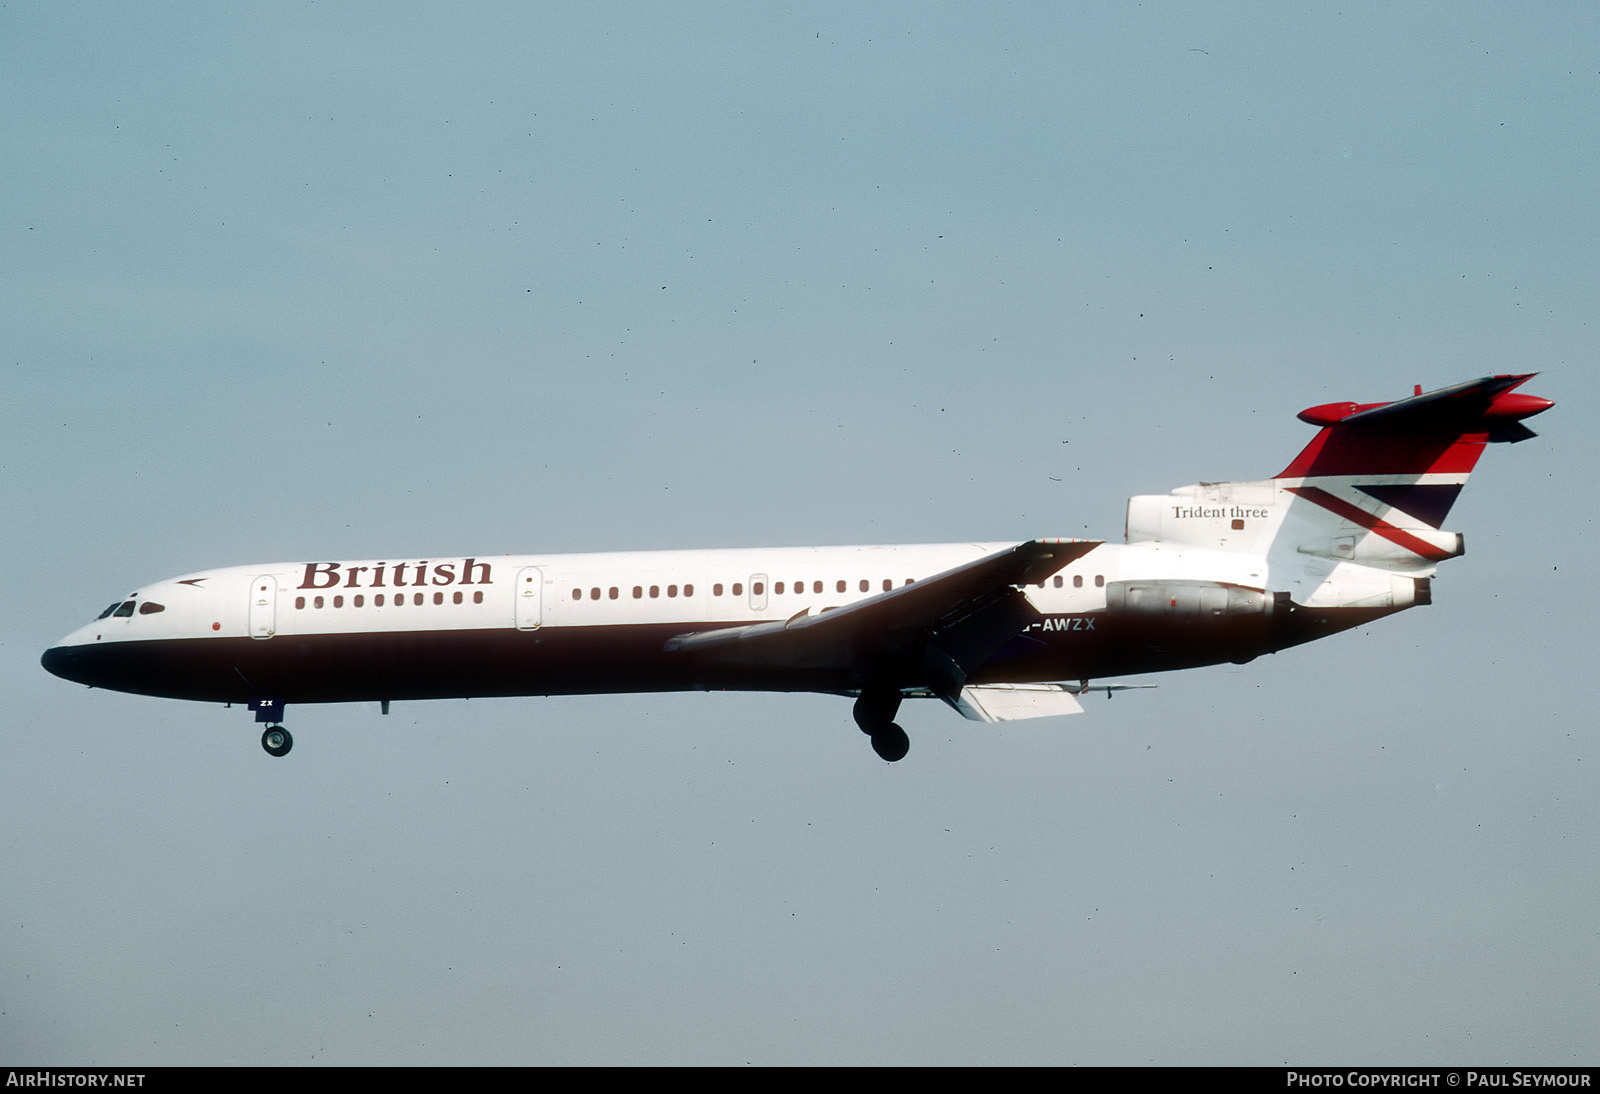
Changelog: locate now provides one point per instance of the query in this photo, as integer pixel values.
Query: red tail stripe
(1357, 515)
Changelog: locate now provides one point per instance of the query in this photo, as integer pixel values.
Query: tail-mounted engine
(1180, 622)
(1191, 603)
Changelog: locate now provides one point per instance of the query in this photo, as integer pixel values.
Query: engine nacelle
(1191, 603)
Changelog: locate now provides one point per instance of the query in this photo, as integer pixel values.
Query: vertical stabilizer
(1381, 477)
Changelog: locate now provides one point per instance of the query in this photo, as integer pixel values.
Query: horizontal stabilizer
(1430, 433)
(1480, 403)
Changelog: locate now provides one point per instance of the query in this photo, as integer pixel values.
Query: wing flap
(1015, 702)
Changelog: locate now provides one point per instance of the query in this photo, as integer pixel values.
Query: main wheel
(276, 741)
(891, 743)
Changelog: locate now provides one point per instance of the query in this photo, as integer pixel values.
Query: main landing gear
(275, 739)
(874, 713)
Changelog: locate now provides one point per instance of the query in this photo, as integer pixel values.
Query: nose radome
(59, 661)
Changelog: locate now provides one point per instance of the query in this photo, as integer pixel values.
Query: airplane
(1350, 531)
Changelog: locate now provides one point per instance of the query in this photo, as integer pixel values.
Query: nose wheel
(275, 739)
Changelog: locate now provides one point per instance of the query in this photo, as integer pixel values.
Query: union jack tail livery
(1395, 469)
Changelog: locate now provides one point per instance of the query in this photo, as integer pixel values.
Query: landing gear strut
(874, 713)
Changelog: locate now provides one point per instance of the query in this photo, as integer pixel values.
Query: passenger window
(716, 590)
(888, 583)
(816, 586)
(655, 591)
(299, 602)
(316, 602)
(577, 594)
(338, 602)
(865, 585)
(594, 593)
(438, 598)
(1077, 581)
(638, 591)
(359, 600)
(672, 590)
(1099, 581)
(377, 601)
(688, 590)
(417, 600)
(839, 588)
(456, 599)
(477, 597)
(776, 588)
(612, 592)
(738, 589)
(758, 587)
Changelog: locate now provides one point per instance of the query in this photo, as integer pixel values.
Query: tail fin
(1372, 488)
(1436, 437)
(1395, 469)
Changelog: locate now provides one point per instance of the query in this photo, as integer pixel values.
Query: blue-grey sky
(321, 280)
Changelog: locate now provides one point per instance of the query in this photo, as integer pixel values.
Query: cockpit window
(124, 610)
(108, 611)
(150, 607)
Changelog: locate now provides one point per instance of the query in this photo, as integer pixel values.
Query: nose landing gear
(275, 739)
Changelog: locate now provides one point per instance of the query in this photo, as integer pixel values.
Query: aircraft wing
(930, 633)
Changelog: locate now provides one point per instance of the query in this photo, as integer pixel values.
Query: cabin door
(263, 607)
(530, 598)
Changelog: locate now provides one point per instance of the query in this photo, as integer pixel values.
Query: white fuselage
(328, 631)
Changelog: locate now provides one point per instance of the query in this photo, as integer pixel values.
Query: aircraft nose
(63, 661)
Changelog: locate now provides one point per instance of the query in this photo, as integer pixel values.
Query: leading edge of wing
(883, 628)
